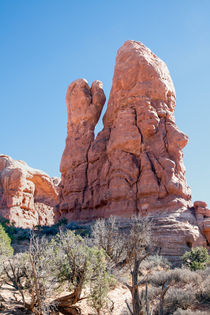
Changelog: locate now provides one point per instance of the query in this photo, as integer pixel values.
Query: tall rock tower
(134, 166)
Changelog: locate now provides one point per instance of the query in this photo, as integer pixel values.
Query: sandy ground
(116, 302)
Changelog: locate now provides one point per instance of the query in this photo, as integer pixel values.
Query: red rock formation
(84, 107)
(27, 196)
(203, 218)
(134, 166)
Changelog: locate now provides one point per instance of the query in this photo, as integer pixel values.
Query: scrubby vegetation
(5, 243)
(68, 263)
(196, 259)
(14, 233)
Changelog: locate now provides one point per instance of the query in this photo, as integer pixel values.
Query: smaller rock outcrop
(203, 218)
(27, 196)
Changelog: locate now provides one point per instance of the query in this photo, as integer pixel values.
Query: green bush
(15, 234)
(9, 229)
(79, 228)
(52, 230)
(196, 259)
(5, 243)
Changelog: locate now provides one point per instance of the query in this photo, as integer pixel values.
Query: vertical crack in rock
(139, 167)
(165, 137)
(138, 164)
(153, 168)
(139, 130)
(86, 174)
(136, 201)
(163, 183)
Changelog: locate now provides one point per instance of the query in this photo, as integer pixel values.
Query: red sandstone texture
(134, 166)
(27, 196)
(203, 218)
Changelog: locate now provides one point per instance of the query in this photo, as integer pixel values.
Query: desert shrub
(46, 230)
(155, 263)
(100, 287)
(196, 259)
(79, 266)
(21, 234)
(83, 230)
(175, 289)
(174, 276)
(5, 243)
(15, 234)
(56, 263)
(106, 234)
(75, 262)
(29, 274)
(62, 262)
(203, 294)
(10, 229)
(71, 258)
(62, 221)
(127, 243)
(123, 240)
(178, 298)
(43, 230)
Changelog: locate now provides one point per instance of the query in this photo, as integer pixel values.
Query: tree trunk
(65, 304)
(146, 298)
(165, 288)
(161, 307)
(71, 310)
(137, 307)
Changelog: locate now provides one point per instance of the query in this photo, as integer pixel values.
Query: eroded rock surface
(203, 218)
(134, 166)
(27, 196)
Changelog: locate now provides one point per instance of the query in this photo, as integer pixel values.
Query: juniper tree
(64, 261)
(127, 243)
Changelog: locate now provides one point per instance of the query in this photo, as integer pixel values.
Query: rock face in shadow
(27, 196)
(134, 166)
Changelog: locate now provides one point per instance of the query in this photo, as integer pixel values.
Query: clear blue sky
(46, 44)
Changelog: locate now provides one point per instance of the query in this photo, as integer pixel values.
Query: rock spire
(135, 165)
